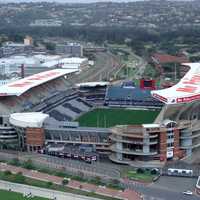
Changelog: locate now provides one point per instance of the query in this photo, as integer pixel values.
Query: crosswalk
(133, 185)
(147, 197)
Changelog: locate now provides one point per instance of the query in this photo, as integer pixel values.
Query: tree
(65, 181)
(28, 164)
(7, 173)
(140, 171)
(50, 46)
(49, 184)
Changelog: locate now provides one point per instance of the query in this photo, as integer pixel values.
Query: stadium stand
(74, 109)
(93, 91)
(130, 96)
(28, 93)
(59, 116)
(84, 102)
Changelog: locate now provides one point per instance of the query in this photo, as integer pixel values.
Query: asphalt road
(182, 183)
(164, 194)
(167, 188)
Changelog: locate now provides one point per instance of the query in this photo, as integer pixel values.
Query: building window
(170, 144)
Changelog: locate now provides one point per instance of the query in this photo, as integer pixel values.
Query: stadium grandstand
(93, 91)
(23, 94)
(182, 104)
(129, 96)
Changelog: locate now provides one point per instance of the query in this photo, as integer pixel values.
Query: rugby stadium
(45, 113)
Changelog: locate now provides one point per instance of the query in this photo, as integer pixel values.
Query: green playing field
(112, 117)
(6, 195)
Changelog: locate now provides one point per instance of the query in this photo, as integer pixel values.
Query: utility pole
(175, 72)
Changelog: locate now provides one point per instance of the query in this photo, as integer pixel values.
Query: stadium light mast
(175, 71)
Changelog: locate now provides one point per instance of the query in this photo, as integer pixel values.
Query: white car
(188, 192)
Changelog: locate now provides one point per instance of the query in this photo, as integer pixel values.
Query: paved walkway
(126, 194)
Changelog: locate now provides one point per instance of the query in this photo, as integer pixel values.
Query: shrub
(154, 171)
(140, 171)
(28, 164)
(96, 180)
(15, 162)
(49, 184)
(7, 173)
(115, 182)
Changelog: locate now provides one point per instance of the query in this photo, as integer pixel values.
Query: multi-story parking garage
(147, 142)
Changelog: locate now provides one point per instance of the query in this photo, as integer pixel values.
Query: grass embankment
(113, 183)
(111, 117)
(141, 175)
(19, 178)
(7, 195)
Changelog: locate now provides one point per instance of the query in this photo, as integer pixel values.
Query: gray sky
(76, 1)
(67, 1)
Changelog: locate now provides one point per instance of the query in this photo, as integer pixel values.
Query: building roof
(121, 93)
(18, 87)
(151, 125)
(24, 120)
(73, 60)
(186, 90)
(166, 58)
(92, 84)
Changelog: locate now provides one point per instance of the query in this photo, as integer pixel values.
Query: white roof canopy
(18, 87)
(186, 90)
(92, 84)
(24, 120)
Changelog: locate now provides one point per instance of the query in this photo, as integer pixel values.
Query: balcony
(132, 152)
(193, 135)
(125, 140)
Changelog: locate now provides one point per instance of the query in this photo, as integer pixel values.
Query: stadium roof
(92, 84)
(24, 120)
(166, 58)
(186, 90)
(18, 87)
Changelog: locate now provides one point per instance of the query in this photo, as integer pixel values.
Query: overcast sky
(76, 1)
(67, 1)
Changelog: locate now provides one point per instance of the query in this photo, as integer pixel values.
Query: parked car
(188, 192)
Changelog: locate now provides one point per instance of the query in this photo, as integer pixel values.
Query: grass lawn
(112, 117)
(146, 176)
(6, 195)
(16, 178)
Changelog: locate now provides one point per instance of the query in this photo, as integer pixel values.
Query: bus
(180, 172)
